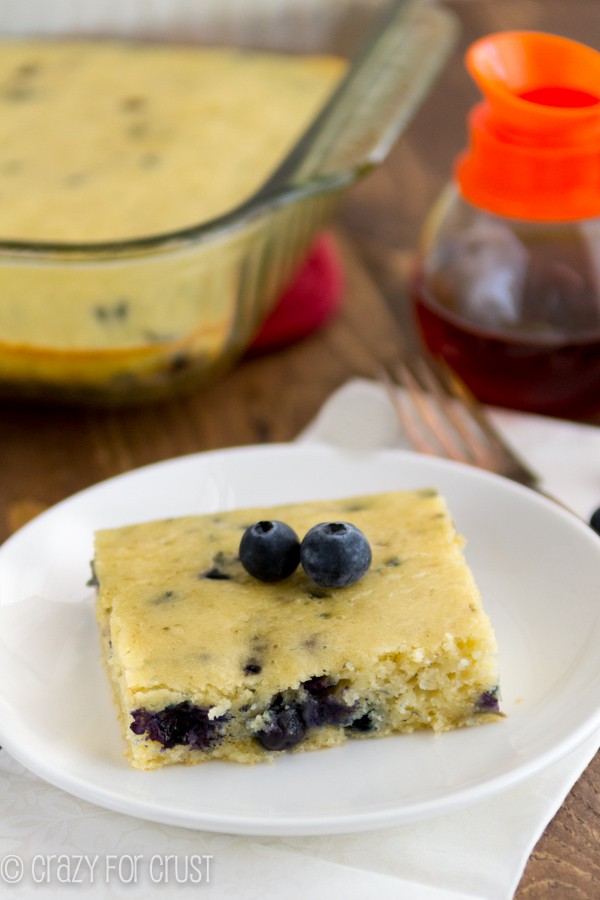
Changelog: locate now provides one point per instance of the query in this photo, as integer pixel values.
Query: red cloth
(313, 296)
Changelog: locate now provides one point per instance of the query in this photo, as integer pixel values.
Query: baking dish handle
(366, 114)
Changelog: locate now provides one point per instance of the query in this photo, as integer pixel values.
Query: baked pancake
(107, 141)
(207, 662)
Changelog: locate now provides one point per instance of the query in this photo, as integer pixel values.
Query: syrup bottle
(508, 287)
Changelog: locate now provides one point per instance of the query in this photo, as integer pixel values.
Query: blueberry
(216, 574)
(326, 710)
(363, 724)
(595, 520)
(488, 701)
(93, 580)
(270, 551)
(252, 667)
(181, 723)
(286, 730)
(318, 685)
(335, 554)
(316, 704)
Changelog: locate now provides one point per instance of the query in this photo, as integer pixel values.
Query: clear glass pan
(196, 297)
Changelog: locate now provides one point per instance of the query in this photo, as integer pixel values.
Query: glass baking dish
(197, 296)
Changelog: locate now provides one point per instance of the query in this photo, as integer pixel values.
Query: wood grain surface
(47, 453)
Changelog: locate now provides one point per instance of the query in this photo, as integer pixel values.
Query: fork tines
(442, 417)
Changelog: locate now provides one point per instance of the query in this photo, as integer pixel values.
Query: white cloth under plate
(477, 852)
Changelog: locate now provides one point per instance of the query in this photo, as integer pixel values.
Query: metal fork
(441, 417)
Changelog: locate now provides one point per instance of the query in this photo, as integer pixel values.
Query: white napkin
(478, 852)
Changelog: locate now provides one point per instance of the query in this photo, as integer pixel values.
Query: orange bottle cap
(534, 149)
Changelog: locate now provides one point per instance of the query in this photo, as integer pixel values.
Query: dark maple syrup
(559, 377)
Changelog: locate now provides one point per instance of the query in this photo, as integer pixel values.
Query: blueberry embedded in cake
(207, 660)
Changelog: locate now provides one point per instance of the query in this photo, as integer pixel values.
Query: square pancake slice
(207, 662)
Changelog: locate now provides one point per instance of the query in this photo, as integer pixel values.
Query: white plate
(537, 567)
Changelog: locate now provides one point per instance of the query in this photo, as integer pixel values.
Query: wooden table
(48, 453)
